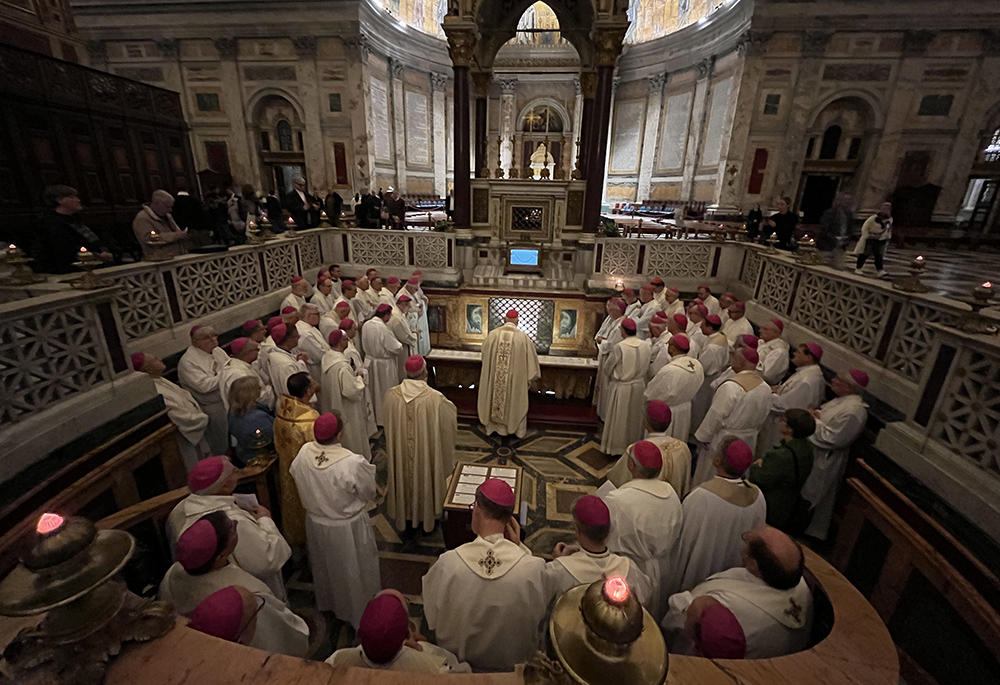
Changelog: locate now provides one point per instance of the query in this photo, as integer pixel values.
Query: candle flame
(920, 258)
(12, 246)
(83, 249)
(49, 523)
(616, 589)
(987, 284)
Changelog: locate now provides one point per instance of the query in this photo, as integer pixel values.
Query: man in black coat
(368, 209)
(64, 233)
(303, 207)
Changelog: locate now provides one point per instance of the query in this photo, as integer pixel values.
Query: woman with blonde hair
(251, 423)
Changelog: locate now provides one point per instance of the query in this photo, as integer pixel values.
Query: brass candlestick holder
(68, 573)
(498, 172)
(577, 173)
(324, 219)
(911, 283)
(771, 249)
(290, 227)
(977, 323)
(805, 252)
(88, 281)
(21, 273)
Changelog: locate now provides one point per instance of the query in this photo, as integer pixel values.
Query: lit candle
(616, 589)
(49, 523)
(83, 249)
(257, 431)
(291, 220)
(920, 258)
(12, 247)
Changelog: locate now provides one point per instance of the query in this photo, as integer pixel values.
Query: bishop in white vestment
(353, 355)
(330, 321)
(335, 486)
(382, 351)
(676, 384)
(420, 428)
(590, 559)
(645, 313)
(282, 360)
(804, 389)
(675, 455)
(672, 302)
(658, 339)
(241, 365)
(737, 323)
(261, 550)
(485, 600)
(510, 365)
(627, 367)
(311, 340)
(400, 324)
(738, 410)
(182, 410)
(343, 391)
(705, 297)
(418, 296)
(839, 422)
(297, 297)
(198, 373)
(714, 355)
(632, 303)
(773, 352)
(771, 601)
(646, 520)
(609, 335)
(716, 514)
(205, 566)
(324, 297)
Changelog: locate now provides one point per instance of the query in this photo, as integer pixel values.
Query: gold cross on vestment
(489, 562)
(794, 610)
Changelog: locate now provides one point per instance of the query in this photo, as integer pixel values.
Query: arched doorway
(836, 148)
(279, 136)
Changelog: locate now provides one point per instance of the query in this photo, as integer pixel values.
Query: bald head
(774, 557)
(161, 202)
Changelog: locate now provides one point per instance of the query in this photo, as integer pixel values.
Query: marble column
(588, 86)
(240, 162)
(731, 181)
(654, 113)
(481, 86)
(577, 125)
(317, 174)
(397, 115)
(97, 54)
(597, 155)
(438, 85)
(461, 43)
(508, 86)
(696, 130)
(360, 108)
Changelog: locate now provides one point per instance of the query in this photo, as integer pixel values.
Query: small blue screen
(524, 257)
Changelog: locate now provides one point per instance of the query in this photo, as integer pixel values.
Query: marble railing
(681, 263)
(394, 252)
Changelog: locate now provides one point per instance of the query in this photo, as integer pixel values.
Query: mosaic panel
(309, 252)
(279, 264)
(752, 269)
(204, 286)
(430, 251)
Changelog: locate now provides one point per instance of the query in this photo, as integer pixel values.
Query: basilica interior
(550, 156)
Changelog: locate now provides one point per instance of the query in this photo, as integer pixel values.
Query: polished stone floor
(951, 273)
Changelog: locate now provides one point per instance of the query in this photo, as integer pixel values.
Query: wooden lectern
(456, 522)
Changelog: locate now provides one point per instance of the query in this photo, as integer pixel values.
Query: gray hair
(162, 196)
(53, 195)
(307, 308)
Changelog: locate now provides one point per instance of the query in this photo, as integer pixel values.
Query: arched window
(542, 119)
(992, 151)
(285, 136)
(831, 141)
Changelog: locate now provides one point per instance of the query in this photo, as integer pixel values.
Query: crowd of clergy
(703, 537)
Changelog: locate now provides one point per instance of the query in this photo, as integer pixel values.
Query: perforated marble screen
(535, 317)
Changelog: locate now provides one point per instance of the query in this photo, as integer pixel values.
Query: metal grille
(535, 317)
(527, 218)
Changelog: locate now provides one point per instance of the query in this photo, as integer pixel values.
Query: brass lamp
(601, 634)
(88, 261)
(68, 573)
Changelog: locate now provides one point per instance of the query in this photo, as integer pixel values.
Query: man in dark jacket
(303, 207)
(64, 233)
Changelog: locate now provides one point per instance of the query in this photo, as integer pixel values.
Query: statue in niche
(542, 160)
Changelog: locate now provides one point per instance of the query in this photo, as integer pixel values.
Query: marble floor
(951, 273)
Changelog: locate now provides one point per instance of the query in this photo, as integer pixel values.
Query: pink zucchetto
(779, 324)
(857, 378)
(739, 305)
(250, 326)
(343, 304)
(414, 363)
(219, 615)
(208, 475)
(681, 321)
(750, 340)
(714, 319)
(325, 427)
(512, 314)
(682, 342)
(498, 492)
(296, 279)
(815, 350)
(237, 345)
(648, 454)
(647, 289)
(702, 309)
(659, 411)
(382, 309)
(347, 281)
(138, 359)
(628, 291)
(391, 280)
(383, 629)
(345, 324)
(618, 304)
(194, 329)
(739, 455)
(731, 296)
(289, 310)
(705, 286)
(279, 333)
(404, 298)
(720, 635)
(590, 510)
(674, 290)
(335, 336)
(197, 545)
(272, 322)
(628, 324)
(750, 355)
(657, 281)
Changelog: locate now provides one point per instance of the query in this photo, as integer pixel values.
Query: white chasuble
(312, 342)
(643, 317)
(335, 485)
(198, 373)
(646, 527)
(713, 353)
(712, 302)
(773, 364)
(510, 364)
(677, 383)
(354, 357)
(399, 326)
(420, 429)
(658, 355)
(627, 380)
(738, 409)
(428, 659)
(676, 469)
(381, 353)
(583, 568)
(715, 516)
(485, 601)
(775, 622)
(292, 300)
(261, 550)
(237, 368)
(344, 392)
(734, 328)
(191, 421)
(804, 389)
(840, 422)
(609, 335)
(324, 302)
(278, 630)
(282, 365)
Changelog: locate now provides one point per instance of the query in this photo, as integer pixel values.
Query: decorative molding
(705, 67)
(507, 85)
(395, 69)
(357, 48)
(576, 86)
(814, 42)
(916, 42)
(608, 45)
(97, 50)
(656, 82)
(438, 81)
(169, 47)
(305, 46)
(461, 44)
(228, 47)
(481, 83)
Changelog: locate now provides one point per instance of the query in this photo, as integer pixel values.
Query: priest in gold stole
(293, 427)
(510, 364)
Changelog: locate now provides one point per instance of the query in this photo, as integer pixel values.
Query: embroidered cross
(489, 562)
(793, 610)
(321, 459)
(691, 365)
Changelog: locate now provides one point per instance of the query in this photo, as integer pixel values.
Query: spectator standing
(875, 235)
(156, 230)
(64, 233)
(783, 224)
(754, 217)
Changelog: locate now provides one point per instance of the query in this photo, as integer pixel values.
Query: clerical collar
(736, 481)
(597, 555)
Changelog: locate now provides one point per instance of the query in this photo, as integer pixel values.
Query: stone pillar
(481, 85)
(588, 86)
(438, 85)
(696, 129)
(240, 162)
(97, 54)
(360, 106)
(317, 174)
(577, 125)
(397, 114)
(508, 86)
(608, 45)
(460, 46)
(654, 107)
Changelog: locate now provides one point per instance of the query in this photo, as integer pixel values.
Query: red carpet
(544, 411)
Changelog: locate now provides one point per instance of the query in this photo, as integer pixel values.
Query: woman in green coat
(781, 472)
